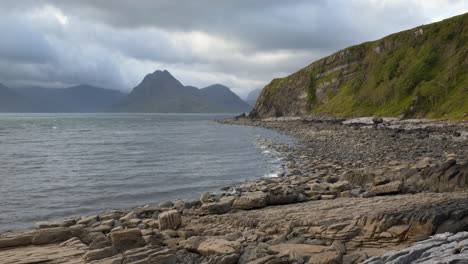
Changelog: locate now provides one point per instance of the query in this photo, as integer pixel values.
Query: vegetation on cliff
(421, 72)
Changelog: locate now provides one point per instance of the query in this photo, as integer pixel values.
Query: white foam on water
(271, 175)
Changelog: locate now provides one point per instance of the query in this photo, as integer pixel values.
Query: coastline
(351, 192)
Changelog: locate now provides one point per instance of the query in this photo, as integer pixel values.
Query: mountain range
(161, 92)
(158, 92)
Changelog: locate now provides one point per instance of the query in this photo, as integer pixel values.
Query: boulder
(251, 200)
(218, 246)
(163, 259)
(282, 195)
(214, 208)
(87, 220)
(128, 217)
(127, 239)
(166, 204)
(100, 253)
(169, 220)
(389, 188)
(330, 257)
(340, 186)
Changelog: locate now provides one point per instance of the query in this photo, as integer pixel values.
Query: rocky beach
(365, 190)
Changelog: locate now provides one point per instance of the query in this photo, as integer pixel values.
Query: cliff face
(420, 72)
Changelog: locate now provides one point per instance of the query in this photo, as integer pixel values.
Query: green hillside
(420, 72)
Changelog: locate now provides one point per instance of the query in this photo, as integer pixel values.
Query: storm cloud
(240, 43)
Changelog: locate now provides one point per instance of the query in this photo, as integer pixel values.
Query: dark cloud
(241, 43)
(21, 42)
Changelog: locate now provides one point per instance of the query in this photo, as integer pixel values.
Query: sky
(242, 44)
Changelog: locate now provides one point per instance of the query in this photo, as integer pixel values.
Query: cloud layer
(240, 43)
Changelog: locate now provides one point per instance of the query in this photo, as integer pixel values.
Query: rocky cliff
(420, 72)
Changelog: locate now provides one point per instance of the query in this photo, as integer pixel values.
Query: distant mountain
(76, 99)
(251, 98)
(160, 92)
(11, 101)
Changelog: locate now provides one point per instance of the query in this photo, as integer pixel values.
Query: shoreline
(332, 165)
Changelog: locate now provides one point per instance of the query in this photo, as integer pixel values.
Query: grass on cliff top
(419, 75)
(413, 74)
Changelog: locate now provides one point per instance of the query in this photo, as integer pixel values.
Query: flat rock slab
(50, 254)
(302, 249)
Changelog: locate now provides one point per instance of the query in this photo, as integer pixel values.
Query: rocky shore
(363, 190)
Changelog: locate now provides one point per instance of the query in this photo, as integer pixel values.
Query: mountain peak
(161, 92)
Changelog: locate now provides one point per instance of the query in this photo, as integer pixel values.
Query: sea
(56, 165)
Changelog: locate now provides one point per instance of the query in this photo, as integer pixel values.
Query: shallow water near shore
(56, 165)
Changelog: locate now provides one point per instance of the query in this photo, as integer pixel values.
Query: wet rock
(169, 220)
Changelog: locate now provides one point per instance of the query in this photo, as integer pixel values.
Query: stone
(214, 208)
(100, 242)
(251, 200)
(441, 248)
(166, 204)
(283, 197)
(126, 239)
(295, 257)
(100, 253)
(86, 220)
(205, 197)
(217, 246)
(389, 188)
(101, 228)
(169, 220)
(191, 244)
(192, 204)
(426, 162)
(327, 196)
(142, 226)
(109, 216)
(128, 217)
(340, 186)
(93, 223)
(163, 259)
(133, 222)
(316, 187)
(330, 257)
(229, 259)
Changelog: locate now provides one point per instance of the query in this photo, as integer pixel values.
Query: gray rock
(441, 248)
(166, 204)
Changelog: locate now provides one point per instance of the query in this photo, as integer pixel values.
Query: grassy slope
(415, 76)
